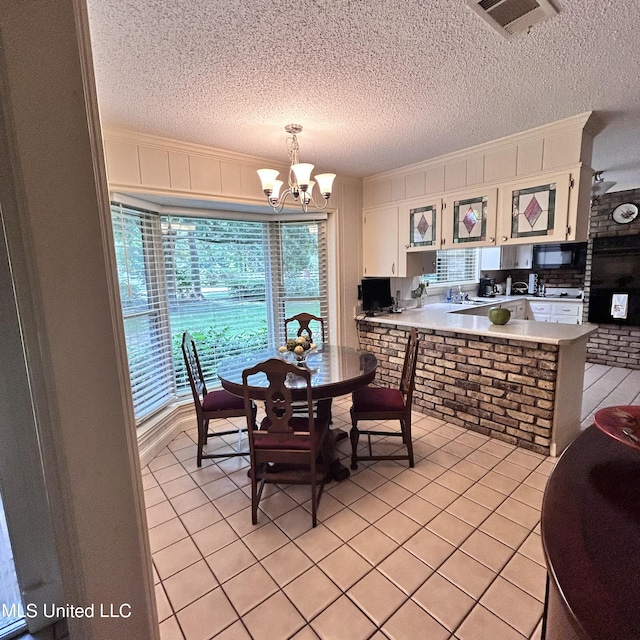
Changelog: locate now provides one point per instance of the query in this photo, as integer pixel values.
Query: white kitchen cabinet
(518, 308)
(550, 207)
(469, 219)
(490, 259)
(420, 224)
(564, 312)
(383, 255)
(521, 256)
(509, 257)
(380, 242)
(540, 311)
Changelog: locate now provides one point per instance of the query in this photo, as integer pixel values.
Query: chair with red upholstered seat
(284, 448)
(211, 405)
(379, 403)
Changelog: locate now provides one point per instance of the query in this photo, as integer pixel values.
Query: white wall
(58, 243)
(142, 164)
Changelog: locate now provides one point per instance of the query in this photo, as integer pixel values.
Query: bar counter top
(445, 316)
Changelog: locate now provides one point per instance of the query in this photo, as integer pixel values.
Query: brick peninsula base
(524, 392)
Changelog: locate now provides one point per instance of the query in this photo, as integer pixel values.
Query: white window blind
(144, 307)
(230, 283)
(216, 281)
(455, 266)
(298, 259)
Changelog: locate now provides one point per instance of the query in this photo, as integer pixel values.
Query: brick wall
(502, 388)
(612, 345)
(570, 278)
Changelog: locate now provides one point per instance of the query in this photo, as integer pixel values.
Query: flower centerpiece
(299, 346)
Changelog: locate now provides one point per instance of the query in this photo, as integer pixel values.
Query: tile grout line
(393, 508)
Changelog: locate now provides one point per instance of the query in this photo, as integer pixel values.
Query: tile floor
(448, 549)
(606, 386)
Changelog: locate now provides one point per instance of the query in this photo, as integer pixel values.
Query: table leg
(337, 471)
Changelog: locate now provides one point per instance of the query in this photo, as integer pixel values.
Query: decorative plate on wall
(625, 213)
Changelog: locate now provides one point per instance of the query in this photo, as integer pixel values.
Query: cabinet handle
(393, 267)
(406, 246)
(492, 239)
(504, 238)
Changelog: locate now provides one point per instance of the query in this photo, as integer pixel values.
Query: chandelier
(300, 183)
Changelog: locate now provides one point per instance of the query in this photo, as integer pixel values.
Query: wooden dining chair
(284, 448)
(381, 403)
(211, 405)
(303, 326)
(304, 321)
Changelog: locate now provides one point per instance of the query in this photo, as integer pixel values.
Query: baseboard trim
(157, 435)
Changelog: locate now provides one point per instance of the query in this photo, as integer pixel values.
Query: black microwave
(568, 255)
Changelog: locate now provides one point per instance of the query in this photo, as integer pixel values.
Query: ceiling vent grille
(509, 17)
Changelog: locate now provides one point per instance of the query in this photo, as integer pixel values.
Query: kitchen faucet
(459, 296)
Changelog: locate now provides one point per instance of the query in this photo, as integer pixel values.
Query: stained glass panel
(533, 211)
(423, 226)
(470, 220)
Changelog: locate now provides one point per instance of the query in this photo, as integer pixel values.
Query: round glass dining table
(335, 371)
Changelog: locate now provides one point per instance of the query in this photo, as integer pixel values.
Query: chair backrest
(407, 381)
(278, 401)
(304, 320)
(194, 370)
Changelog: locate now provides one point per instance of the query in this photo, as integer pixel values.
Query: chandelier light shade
(300, 185)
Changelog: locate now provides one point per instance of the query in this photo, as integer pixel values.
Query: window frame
(275, 310)
(474, 272)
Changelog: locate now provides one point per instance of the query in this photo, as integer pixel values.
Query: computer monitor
(376, 294)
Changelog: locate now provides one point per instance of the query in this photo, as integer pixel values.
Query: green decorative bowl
(498, 315)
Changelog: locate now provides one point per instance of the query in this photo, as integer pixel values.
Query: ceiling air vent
(509, 17)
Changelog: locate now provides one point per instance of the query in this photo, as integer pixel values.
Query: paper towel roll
(508, 287)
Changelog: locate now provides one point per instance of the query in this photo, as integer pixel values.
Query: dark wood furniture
(591, 540)
(210, 405)
(284, 448)
(335, 371)
(303, 321)
(381, 403)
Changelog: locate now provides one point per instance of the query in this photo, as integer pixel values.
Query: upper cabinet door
(420, 225)
(535, 210)
(380, 242)
(469, 219)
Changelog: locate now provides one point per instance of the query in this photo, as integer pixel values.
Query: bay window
(229, 282)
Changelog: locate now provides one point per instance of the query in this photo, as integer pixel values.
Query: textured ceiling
(376, 84)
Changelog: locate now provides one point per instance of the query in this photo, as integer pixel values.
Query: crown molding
(580, 121)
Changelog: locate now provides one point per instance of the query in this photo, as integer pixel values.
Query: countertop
(442, 316)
